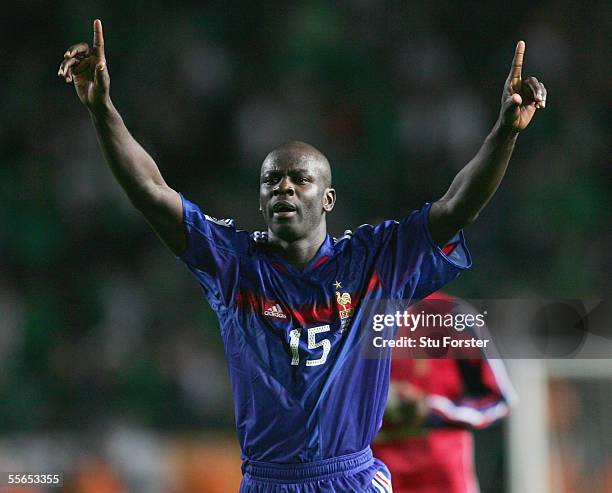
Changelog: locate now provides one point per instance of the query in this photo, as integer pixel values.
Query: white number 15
(294, 341)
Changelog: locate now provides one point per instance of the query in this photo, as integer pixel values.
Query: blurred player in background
(290, 300)
(433, 404)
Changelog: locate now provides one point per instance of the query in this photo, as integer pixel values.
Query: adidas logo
(275, 311)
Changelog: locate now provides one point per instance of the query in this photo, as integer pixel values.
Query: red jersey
(461, 394)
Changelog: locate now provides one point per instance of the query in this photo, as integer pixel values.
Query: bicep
(442, 222)
(163, 210)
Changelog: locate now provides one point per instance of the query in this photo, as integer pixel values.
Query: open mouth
(283, 209)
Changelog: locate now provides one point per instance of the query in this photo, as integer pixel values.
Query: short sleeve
(213, 251)
(410, 264)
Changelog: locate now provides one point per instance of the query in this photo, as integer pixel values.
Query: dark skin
(476, 183)
(405, 412)
(295, 175)
(295, 195)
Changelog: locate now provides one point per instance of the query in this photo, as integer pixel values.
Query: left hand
(521, 97)
(405, 413)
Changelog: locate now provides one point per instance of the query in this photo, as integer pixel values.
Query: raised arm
(476, 183)
(132, 166)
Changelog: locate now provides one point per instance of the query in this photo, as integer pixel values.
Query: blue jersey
(302, 389)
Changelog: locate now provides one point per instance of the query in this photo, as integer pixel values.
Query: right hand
(87, 69)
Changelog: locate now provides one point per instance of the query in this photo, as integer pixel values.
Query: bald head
(295, 193)
(303, 154)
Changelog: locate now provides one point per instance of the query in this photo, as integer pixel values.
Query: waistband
(308, 471)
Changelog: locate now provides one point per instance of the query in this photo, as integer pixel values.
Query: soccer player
(290, 300)
(433, 404)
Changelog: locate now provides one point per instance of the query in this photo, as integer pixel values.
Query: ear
(329, 199)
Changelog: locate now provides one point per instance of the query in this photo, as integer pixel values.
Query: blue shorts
(354, 473)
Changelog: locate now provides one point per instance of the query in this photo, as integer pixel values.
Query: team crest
(344, 304)
(345, 308)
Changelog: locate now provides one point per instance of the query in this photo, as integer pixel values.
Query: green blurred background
(101, 329)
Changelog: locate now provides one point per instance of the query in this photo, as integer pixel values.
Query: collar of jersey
(325, 250)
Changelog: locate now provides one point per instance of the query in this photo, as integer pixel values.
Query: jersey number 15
(294, 342)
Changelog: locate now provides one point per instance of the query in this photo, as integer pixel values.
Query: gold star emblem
(337, 285)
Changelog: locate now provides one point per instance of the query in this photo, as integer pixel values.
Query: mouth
(283, 208)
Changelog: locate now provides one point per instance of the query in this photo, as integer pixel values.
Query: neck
(300, 251)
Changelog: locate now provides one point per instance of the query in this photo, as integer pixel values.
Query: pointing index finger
(98, 38)
(517, 63)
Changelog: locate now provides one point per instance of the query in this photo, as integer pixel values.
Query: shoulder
(366, 232)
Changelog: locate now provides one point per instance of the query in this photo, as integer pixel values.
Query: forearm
(132, 166)
(476, 183)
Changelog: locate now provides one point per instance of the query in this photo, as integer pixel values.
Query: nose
(284, 187)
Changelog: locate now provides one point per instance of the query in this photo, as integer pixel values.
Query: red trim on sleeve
(448, 248)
